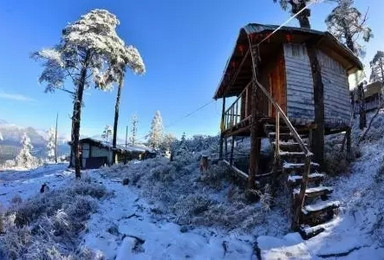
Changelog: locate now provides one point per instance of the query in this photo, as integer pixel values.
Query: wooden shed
(268, 91)
(96, 153)
(373, 96)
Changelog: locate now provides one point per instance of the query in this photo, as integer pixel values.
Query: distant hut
(96, 153)
(271, 85)
(373, 96)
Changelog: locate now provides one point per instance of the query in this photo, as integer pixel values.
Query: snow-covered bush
(48, 225)
(178, 190)
(215, 175)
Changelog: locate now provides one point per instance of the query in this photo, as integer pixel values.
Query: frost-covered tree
(51, 145)
(155, 136)
(88, 50)
(295, 6)
(107, 132)
(25, 158)
(1, 137)
(134, 126)
(348, 25)
(129, 59)
(377, 67)
(168, 142)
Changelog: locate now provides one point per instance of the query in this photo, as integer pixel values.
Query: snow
(28, 183)
(321, 205)
(128, 225)
(163, 240)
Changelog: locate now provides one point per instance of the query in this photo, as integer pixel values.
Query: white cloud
(15, 97)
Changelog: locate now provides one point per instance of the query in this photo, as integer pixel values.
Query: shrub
(37, 226)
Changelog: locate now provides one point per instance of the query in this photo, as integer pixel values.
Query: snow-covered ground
(144, 220)
(26, 184)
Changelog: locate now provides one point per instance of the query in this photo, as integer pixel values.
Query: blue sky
(184, 44)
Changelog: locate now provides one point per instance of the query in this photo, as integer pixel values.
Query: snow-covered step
(309, 232)
(313, 177)
(314, 192)
(298, 167)
(291, 155)
(320, 206)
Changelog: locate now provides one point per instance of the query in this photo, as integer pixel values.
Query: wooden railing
(239, 110)
(299, 200)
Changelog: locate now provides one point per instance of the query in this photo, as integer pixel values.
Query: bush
(35, 227)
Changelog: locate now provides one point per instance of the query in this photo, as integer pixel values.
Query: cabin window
(297, 50)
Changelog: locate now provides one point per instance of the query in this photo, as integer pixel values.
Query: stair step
(315, 192)
(309, 232)
(298, 168)
(285, 129)
(295, 166)
(289, 146)
(294, 180)
(284, 136)
(319, 207)
(287, 155)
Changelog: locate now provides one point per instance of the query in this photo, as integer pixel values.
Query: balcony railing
(239, 111)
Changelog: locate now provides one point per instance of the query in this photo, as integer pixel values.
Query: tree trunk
(304, 22)
(116, 119)
(77, 116)
(303, 17)
(363, 116)
(349, 42)
(318, 94)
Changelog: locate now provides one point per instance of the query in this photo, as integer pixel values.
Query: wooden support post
(204, 163)
(222, 127)
(277, 136)
(318, 96)
(349, 142)
(225, 148)
(255, 142)
(232, 148)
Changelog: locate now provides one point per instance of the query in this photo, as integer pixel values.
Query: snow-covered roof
(120, 148)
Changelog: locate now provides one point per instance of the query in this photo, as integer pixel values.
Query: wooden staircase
(311, 205)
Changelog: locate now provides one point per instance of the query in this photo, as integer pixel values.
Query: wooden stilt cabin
(269, 82)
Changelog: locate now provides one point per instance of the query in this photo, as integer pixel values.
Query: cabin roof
(257, 32)
(119, 148)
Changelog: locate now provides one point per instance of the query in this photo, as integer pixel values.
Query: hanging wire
(290, 19)
(263, 40)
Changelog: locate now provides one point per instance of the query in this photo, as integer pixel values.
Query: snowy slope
(139, 221)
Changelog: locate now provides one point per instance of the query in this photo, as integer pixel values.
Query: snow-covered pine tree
(1, 137)
(51, 145)
(377, 67)
(25, 158)
(347, 24)
(107, 133)
(134, 62)
(88, 50)
(155, 136)
(134, 123)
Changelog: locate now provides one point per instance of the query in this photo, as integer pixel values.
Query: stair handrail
(286, 120)
(299, 202)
